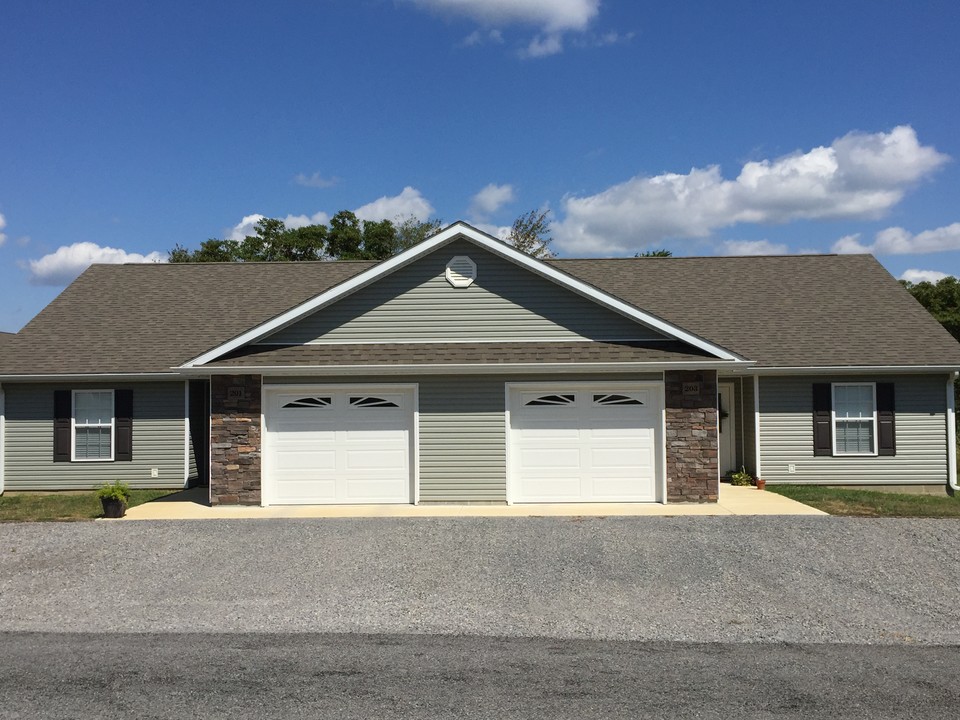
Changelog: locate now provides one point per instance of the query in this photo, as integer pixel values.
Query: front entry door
(728, 430)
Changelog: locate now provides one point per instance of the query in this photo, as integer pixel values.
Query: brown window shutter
(822, 424)
(123, 425)
(62, 412)
(886, 420)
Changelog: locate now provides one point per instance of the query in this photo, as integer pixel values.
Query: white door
(337, 445)
(584, 443)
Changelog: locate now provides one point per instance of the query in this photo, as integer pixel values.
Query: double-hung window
(93, 425)
(854, 419)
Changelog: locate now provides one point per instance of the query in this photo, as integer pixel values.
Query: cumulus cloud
(501, 232)
(315, 180)
(61, 267)
(858, 176)
(410, 202)
(552, 15)
(897, 241)
(3, 224)
(753, 247)
(490, 199)
(916, 276)
(553, 18)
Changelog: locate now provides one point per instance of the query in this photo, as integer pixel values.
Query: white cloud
(490, 199)
(544, 46)
(61, 267)
(3, 224)
(481, 37)
(315, 180)
(753, 247)
(897, 241)
(858, 176)
(498, 231)
(916, 276)
(408, 203)
(551, 15)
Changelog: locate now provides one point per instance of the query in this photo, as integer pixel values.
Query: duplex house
(464, 371)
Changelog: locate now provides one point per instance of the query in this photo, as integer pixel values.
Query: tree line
(347, 237)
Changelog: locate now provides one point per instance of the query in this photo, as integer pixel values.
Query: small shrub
(114, 491)
(741, 478)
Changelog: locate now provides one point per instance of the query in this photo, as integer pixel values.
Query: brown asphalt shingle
(817, 310)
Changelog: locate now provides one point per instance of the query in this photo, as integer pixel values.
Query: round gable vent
(461, 271)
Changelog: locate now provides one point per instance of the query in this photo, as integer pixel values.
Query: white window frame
(74, 425)
(833, 418)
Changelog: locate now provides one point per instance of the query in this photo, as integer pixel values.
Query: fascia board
(454, 368)
(834, 369)
(427, 246)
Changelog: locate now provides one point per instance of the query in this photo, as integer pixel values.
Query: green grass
(63, 506)
(866, 503)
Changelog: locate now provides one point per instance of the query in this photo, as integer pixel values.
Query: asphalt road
(409, 676)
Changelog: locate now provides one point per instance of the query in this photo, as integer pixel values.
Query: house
(464, 371)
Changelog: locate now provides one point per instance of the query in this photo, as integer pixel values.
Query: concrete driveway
(193, 505)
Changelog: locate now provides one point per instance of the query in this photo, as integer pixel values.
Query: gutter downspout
(3, 435)
(952, 434)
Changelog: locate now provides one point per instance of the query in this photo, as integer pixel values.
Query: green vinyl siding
(505, 303)
(158, 440)
(462, 429)
(786, 433)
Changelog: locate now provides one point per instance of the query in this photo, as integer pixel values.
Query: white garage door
(326, 444)
(584, 443)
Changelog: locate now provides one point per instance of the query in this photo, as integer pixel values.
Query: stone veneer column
(235, 439)
(692, 438)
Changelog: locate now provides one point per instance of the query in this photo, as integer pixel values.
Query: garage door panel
(601, 445)
(353, 449)
(549, 458)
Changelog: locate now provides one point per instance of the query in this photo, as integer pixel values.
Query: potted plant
(761, 484)
(742, 478)
(114, 498)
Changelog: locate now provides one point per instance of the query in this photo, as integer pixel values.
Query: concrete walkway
(192, 505)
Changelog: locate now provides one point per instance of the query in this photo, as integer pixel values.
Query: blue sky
(707, 128)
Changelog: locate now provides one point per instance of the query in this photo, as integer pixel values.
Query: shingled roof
(789, 311)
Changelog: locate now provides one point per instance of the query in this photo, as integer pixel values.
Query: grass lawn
(63, 506)
(866, 503)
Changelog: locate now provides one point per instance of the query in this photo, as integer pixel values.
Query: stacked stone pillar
(235, 439)
(692, 438)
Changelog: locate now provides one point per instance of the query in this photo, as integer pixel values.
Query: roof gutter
(834, 369)
(951, 434)
(450, 368)
(96, 377)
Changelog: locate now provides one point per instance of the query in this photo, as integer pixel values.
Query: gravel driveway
(714, 579)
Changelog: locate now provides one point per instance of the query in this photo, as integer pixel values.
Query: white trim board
(487, 242)
(453, 369)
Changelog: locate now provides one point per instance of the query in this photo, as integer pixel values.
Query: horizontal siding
(417, 304)
(786, 434)
(158, 440)
(463, 430)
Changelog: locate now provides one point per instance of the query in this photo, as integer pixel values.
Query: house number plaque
(236, 392)
(691, 388)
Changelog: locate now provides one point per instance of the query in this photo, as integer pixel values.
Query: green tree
(655, 253)
(941, 299)
(411, 231)
(530, 233)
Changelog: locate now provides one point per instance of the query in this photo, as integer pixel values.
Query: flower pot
(761, 484)
(113, 508)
